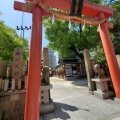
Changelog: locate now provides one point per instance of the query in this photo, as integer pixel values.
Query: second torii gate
(98, 12)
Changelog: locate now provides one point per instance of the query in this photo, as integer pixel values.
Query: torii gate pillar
(110, 55)
(32, 107)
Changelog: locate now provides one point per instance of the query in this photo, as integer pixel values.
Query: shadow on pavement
(62, 110)
(80, 83)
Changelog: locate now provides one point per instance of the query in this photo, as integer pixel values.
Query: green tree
(69, 42)
(8, 41)
(115, 32)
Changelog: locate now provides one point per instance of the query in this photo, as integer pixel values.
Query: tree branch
(73, 49)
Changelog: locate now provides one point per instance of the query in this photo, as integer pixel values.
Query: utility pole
(23, 29)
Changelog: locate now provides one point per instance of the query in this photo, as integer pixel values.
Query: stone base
(47, 108)
(12, 104)
(104, 95)
(117, 100)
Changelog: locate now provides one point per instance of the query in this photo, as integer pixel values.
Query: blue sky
(13, 18)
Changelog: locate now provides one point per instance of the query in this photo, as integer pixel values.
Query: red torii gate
(98, 12)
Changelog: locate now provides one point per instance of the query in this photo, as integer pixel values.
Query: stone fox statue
(45, 76)
(98, 71)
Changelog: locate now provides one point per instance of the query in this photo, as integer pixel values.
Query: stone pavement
(73, 102)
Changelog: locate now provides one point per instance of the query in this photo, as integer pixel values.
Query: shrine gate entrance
(40, 8)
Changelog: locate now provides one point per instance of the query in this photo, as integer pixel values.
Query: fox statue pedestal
(47, 105)
(102, 88)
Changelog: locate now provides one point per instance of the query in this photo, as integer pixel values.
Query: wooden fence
(11, 85)
(12, 76)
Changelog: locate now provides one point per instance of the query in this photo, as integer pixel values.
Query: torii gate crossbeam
(89, 9)
(19, 6)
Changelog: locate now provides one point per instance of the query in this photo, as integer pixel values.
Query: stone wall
(12, 105)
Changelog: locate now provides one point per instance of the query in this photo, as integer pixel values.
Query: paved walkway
(73, 102)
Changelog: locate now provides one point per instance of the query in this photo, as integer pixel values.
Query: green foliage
(8, 41)
(96, 1)
(68, 42)
(115, 34)
(99, 55)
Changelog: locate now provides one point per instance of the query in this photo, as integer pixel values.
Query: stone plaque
(17, 64)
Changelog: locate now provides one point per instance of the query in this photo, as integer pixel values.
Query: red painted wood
(110, 55)
(89, 9)
(19, 6)
(32, 106)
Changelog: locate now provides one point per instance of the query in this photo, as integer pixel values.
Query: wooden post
(64, 71)
(32, 106)
(91, 84)
(83, 71)
(9, 72)
(19, 84)
(6, 83)
(0, 84)
(80, 69)
(3, 68)
(3, 82)
(25, 85)
(110, 55)
(13, 84)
